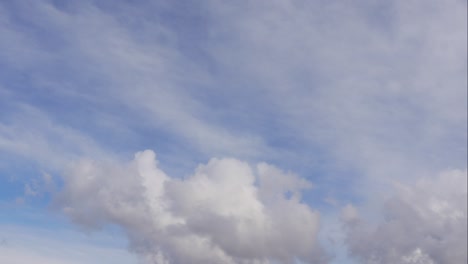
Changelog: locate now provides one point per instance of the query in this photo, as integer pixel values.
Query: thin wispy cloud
(22, 244)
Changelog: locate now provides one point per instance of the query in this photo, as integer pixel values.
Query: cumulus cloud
(425, 223)
(225, 212)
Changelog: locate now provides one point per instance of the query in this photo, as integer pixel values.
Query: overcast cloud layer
(285, 131)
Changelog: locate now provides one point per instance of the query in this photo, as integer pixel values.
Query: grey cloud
(226, 212)
(425, 223)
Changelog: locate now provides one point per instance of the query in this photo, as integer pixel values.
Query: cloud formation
(226, 212)
(422, 224)
(362, 92)
(332, 77)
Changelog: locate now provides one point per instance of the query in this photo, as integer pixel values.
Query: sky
(233, 132)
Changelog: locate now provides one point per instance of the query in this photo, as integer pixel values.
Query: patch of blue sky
(29, 232)
(32, 228)
(46, 219)
(13, 180)
(22, 183)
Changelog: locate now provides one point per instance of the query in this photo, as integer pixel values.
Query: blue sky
(155, 127)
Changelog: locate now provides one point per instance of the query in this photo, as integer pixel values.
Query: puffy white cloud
(226, 212)
(425, 223)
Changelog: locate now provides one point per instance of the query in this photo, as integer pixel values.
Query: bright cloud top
(226, 212)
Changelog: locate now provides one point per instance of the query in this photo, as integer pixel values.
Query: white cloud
(416, 257)
(425, 223)
(226, 212)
